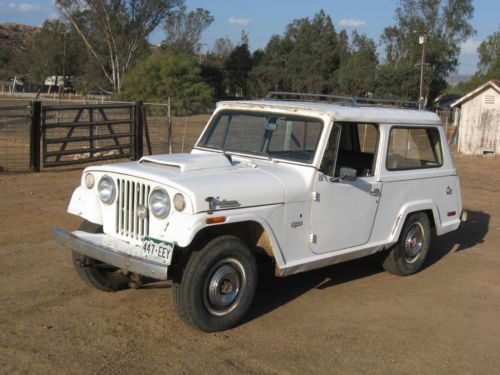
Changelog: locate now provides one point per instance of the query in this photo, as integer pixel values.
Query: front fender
(85, 203)
(183, 228)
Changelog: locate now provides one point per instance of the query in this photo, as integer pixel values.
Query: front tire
(217, 286)
(408, 255)
(95, 273)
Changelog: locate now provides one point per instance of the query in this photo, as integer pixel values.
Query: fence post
(36, 111)
(138, 130)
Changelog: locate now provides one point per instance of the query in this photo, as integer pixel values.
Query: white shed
(479, 120)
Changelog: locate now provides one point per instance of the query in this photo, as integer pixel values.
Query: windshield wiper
(228, 156)
(260, 153)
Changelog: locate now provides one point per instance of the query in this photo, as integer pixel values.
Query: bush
(169, 74)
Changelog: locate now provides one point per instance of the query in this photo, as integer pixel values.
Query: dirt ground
(350, 318)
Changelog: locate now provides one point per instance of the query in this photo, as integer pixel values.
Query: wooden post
(36, 108)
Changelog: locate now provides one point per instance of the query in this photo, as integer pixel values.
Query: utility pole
(423, 41)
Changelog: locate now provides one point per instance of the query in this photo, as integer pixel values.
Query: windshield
(269, 134)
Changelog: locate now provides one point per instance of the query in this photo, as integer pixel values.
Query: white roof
(493, 84)
(383, 115)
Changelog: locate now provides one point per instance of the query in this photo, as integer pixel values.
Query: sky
(263, 18)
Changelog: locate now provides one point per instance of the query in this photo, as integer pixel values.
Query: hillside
(15, 40)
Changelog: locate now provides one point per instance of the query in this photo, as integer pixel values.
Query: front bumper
(107, 250)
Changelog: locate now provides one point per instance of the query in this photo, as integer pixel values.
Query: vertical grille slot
(131, 195)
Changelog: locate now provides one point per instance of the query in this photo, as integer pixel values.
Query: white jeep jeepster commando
(304, 183)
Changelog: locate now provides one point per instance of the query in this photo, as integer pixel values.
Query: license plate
(157, 250)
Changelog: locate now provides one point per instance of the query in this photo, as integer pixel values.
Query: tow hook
(135, 281)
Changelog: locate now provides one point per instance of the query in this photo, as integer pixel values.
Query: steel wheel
(407, 256)
(414, 242)
(224, 287)
(217, 284)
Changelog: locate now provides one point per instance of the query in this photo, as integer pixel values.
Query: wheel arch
(257, 234)
(428, 207)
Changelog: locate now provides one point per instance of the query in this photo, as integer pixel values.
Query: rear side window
(414, 148)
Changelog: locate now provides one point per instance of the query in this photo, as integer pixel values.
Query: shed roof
(495, 84)
(346, 112)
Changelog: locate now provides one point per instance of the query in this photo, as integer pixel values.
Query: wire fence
(181, 126)
(15, 127)
(167, 128)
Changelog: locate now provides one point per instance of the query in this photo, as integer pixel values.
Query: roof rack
(353, 101)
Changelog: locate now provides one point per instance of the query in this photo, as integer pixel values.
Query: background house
(478, 117)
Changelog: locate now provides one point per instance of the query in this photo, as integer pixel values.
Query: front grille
(130, 196)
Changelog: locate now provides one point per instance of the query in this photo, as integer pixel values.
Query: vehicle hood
(200, 176)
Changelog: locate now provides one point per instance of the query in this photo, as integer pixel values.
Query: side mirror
(348, 174)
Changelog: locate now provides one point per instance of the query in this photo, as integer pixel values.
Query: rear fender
(408, 209)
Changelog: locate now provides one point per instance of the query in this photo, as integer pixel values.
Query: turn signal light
(215, 220)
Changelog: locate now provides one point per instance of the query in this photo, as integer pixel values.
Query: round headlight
(106, 189)
(89, 180)
(179, 202)
(159, 203)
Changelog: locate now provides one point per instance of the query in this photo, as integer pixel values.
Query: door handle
(375, 192)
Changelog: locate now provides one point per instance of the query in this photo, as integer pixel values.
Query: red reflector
(452, 213)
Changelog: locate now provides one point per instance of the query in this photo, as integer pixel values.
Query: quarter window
(414, 148)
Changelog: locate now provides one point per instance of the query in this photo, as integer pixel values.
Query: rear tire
(95, 273)
(408, 255)
(217, 286)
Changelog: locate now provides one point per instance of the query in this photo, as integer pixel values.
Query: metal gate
(90, 133)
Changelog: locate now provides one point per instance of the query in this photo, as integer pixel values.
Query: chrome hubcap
(225, 284)
(414, 242)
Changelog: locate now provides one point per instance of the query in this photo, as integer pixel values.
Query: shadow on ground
(275, 292)
(470, 233)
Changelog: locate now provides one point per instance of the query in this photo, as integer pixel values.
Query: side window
(414, 148)
(355, 147)
(368, 138)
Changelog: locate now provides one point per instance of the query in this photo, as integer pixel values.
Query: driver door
(343, 212)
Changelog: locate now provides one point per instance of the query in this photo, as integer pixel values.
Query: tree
(168, 74)
(305, 58)
(238, 66)
(184, 29)
(113, 31)
(488, 66)
(489, 56)
(447, 23)
(221, 50)
(55, 49)
(269, 71)
(356, 75)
